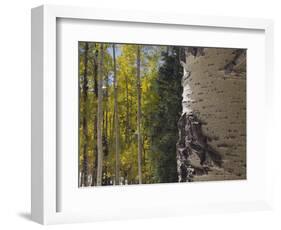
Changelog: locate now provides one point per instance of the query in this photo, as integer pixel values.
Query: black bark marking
(192, 142)
(240, 56)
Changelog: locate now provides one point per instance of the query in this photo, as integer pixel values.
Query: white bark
(187, 92)
(214, 95)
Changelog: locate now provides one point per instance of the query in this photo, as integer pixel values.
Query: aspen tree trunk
(95, 160)
(116, 128)
(95, 149)
(105, 128)
(214, 92)
(100, 118)
(85, 122)
(139, 117)
(127, 111)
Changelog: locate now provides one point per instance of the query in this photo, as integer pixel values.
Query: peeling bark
(194, 155)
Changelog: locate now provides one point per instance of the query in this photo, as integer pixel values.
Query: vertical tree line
(116, 120)
(130, 99)
(94, 59)
(100, 118)
(139, 117)
(85, 117)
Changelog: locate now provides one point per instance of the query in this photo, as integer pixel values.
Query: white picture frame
(45, 162)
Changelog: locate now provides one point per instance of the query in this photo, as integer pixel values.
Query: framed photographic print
(140, 114)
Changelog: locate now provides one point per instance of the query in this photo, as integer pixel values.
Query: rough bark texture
(212, 128)
(194, 155)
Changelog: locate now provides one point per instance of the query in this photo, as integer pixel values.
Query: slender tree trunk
(144, 179)
(103, 120)
(81, 179)
(85, 122)
(95, 87)
(127, 112)
(104, 132)
(116, 128)
(106, 112)
(112, 129)
(106, 119)
(95, 160)
(100, 118)
(139, 117)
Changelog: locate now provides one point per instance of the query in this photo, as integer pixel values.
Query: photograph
(151, 114)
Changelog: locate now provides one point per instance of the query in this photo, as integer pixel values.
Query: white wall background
(15, 113)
